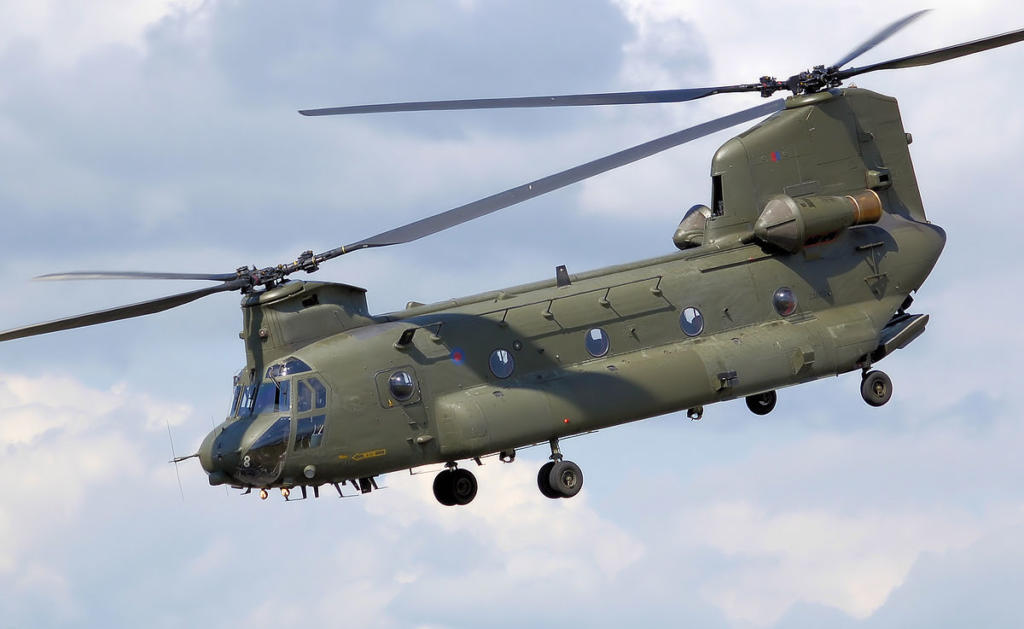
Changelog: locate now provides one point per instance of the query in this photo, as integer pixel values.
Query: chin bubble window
(402, 385)
(691, 321)
(785, 301)
(502, 363)
(597, 342)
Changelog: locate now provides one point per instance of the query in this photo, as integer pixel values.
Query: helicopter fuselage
(506, 369)
(815, 240)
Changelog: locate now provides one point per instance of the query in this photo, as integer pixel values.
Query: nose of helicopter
(216, 459)
(206, 453)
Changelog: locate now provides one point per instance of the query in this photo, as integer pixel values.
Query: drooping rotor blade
(878, 38)
(135, 275)
(940, 54)
(122, 312)
(512, 196)
(568, 100)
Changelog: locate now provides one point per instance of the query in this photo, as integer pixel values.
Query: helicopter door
(310, 414)
(401, 397)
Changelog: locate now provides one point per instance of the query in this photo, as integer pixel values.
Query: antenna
(175, 459)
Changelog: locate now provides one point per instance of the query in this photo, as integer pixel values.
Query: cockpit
(258, 445)
(271, 395)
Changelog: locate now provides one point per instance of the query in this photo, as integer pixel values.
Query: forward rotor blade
(135, 275)
(941, 54)
(116, 314)
(512, 196)
(878, 38)
(569, 100)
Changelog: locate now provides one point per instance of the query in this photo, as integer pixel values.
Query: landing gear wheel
(762, 403)
(544, 481)
(565, 479)
(463, 486)
(444, 488)
(876, 388)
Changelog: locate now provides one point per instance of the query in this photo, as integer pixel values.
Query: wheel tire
(565, 479)
(544, 482)
(444, 488)
(876, 388)
(464, 486)
(762, 403)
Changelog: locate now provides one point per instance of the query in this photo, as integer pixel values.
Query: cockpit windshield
(273, 395)
(244, 407)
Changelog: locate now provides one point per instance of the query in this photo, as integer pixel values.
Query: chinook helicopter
(802, 267)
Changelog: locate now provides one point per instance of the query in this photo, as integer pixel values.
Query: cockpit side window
(309, 432)
(304, 397)
(283, 402)
(321, 392)
(310, 394)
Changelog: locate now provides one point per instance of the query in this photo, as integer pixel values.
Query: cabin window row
(502, 363)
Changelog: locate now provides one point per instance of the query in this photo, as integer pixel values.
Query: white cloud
(65, 31)
(850, 562)
(538, 538)
(61, 441)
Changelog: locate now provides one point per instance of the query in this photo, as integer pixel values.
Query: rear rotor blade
(116, 314)
(878, 38)
(569, 100)
(512, 196)
(941, 54)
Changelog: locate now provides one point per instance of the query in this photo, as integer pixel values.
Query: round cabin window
(597, 342)
(784, 301)
(501, 363)
(691, 321)
(402, 385)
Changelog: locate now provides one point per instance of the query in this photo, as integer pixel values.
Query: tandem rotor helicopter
(801, 268)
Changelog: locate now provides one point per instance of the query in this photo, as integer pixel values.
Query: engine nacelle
(792, 224)
(690, 232)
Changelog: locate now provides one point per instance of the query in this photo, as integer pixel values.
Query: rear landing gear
(455, 486)
(876, 388)
(762, 403)
(558, 478)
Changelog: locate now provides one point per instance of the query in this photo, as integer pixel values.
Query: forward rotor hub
(808, 82)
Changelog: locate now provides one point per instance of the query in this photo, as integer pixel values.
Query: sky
(164, 136)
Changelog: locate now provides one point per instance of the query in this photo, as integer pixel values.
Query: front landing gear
(558, 478)
(455, 486)
(876, 388)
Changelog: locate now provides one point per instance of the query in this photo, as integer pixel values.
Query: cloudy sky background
(163, 136)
